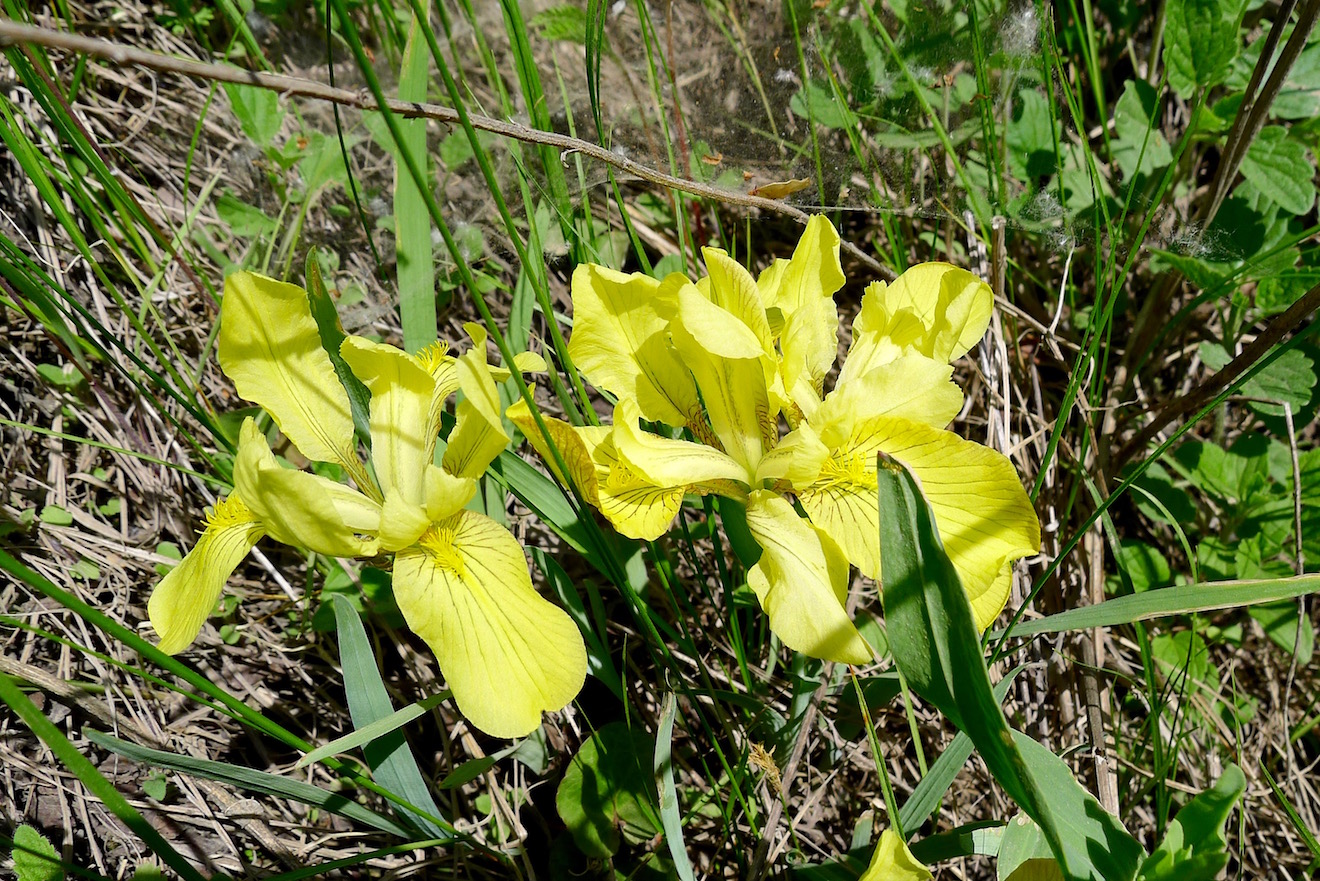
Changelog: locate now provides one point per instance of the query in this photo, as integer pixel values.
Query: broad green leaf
(981, 838)
(607, 796)
(1200, 40)
(1280, 168)
(1144, 565)
(390, 759)
(1182, 599)
(1280, 621)
(1139, 147)
(258, 111)
(1024, 854)
(1194, 848)
(35, 858)
(1031, 135)
(1232, 475)
(250, 780)
(817, 99)
(243, 219)
(562, 23)
(935, 642)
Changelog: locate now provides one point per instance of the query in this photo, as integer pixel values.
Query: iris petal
(402, 390)
(620, 341)
(302, 509)
(507, 653)
(801, 581)
(185, 597)
(270, 347)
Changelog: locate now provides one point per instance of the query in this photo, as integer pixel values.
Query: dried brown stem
(12, 33)
(1251, 353)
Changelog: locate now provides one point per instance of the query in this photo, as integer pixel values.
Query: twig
(12, 32)
(1251, 353)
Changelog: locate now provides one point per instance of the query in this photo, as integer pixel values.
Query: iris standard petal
(733, 374)
(270, 347)
(912, 386)
(402, 390)
(933, 309)
(732, 288)
(620, 341)
(801, 581)
(507, 654)
(478, 435)
(892, 861)
(185, 597)
(799, 294)
(302, 509)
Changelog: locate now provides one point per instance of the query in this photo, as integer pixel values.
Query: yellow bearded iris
(726, 357)
(460, 578)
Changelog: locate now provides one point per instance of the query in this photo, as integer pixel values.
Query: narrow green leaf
(412, 223)
(332, 337)
(249, 779)
(940, 776)
(1183, 599)
(390, 759)
(91, 778)
(376, 729)
(671, 813)
(935, 643)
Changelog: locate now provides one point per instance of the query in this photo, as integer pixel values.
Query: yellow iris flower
(460, 578)
(727, 357)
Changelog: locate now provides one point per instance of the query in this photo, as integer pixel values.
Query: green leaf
(368, 733)
(322, 163)
(412, 222)
(1024, 854)
(671, 812)
(250, 780)
(1194, 848)
(65, 376)
(243, 219)
(56, 515)
(1144, 565)
(1281, 170)
(1138, 146)
(1031, 135)
(607, 796)
(35, 858)
(1280, 621)
(1200, 41)
(156, 786)
(1180, 600)
(816, 101)
(562, 23)
(391, 761)
(1233, 474)
(258, 112)
(935, 643)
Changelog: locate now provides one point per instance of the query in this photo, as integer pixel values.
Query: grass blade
(250, 780)
(95, 782)
(671, 815)
(412, 223)
(1184, 599)
(368, 733)
(391, 760)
